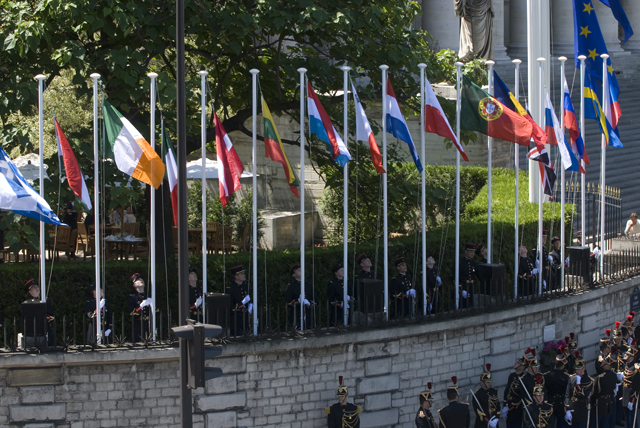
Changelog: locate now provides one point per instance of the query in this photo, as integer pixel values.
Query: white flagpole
(43, 278)
(303, 87)
(96, 202)
(516, 258)
(603, 193)
(541, 61)
(345, 206)
(489, 161)
(423, 200)
(562, 60)
(152, 225)
(203, 154)
(458, 111)
(583, 223)
(254, 215)
(385, 232)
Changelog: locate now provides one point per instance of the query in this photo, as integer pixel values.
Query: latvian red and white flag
(364, 132)
(72, 168)
(435, 121)
(229, 166)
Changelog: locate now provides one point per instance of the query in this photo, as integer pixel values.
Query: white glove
(567, 260)
(198, 302)
(439, 281)
(629, 340)
(615, 391)
(503, 412)
(149, 302)
(348, 299)
(568, 416)
(464, 294)
(620, 376)
(250, 307)
(534, 271)
(537, 263)
(596, 253)
(144, 303)
(411, 293)
(306, 302)
(430, 307)
(493, 422)
(246, 299)
(630, 405)
(544, 284)
(550, 259)
(102, 303)
(578, 378)
(107, 333)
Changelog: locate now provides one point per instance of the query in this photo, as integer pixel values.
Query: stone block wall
(289, 382)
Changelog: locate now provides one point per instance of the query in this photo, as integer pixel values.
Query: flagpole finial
(491, 63)
(95, 76)
(384, 67)
(254, 71)
(203, 73)
(582, 57)
(40, 77)
(517, 61)
(562, 59)
(459, 64)
(422, 65)
(302, 70)
(542, 59)
(604, 56)
(345, 68)
(152, 75)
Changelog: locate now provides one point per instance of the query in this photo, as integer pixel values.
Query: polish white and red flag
(229, 166)
(435, 121)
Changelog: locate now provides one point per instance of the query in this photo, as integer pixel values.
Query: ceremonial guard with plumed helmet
(556, 382)
(486, 402)
(343, 414)
(424, 418)
(455, 414)
(576, 399)
(539, 412)
(512, 404)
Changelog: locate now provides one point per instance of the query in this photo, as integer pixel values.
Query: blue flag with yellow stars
(621, 17)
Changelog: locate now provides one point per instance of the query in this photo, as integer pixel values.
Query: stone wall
(288, 382)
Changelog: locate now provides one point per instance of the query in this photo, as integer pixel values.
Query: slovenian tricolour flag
(435, 121)
(321, 126)
(571, 123)
(397, 125)
(172, 171)
(556, 134)
(364, 132)
(72, 168)
(132, 153)
(230, 168)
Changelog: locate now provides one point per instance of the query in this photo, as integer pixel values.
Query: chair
(242, 242)
(60, 242)
(191, 246)
(212, 228)
(223, 239)
(83, 238)
(131, 228)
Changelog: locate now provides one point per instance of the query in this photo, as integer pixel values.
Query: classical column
(632, 9)
(499, 48)
(608, 26)
(517, 47)
(562, 29)
(439, 20)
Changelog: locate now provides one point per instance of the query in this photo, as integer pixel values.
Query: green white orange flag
(132, 153)
(172, 172)
(274, 149)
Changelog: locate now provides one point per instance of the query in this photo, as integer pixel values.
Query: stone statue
(476, 29)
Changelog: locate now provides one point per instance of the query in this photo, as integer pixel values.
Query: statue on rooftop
(476, 29)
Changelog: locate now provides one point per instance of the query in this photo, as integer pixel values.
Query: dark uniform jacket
(540, 413)
(361, 275)
(630, 383)
(239, 312)
(490, 404)
(401, 304)
(467, 274)
(576, 397)
(292, 298)
(556, 382)
(347, 416)
(555, 269)
(194, 294)
(512, 398)
(529, 382)
(140, 316)
(105, 313)
(424, 419)
(455, 415)
(527, 282)
(335, 292)
(432, 286)
(604, 385)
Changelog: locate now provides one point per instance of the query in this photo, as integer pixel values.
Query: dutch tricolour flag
(397, 126)
(321, 126)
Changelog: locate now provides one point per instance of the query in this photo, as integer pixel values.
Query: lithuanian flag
(274, 149)
(132, 153)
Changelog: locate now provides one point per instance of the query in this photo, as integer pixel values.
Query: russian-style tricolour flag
(397, 126)
(229, 166)
(320, 124)
(571, 123)
(71, 167)
(556, 134)
(364, 132)
(435, 121)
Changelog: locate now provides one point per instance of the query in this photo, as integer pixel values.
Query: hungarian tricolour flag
(229, 166)
(172, 172)
(274, 150)
(132, 153)
(72, 168)
(485, 114)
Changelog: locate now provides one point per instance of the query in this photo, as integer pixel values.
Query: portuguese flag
(274, 149)
(483, 113)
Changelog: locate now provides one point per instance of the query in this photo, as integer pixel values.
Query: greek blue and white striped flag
(18, 196)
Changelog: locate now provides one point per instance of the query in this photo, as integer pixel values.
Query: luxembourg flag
(571, 123)
(320, 124)
(364, 132)
(397, 126)
(229, 166)
(555, 133)
(71, 167)
(435, 121)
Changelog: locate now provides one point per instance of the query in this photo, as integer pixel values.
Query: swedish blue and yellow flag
(593, 110)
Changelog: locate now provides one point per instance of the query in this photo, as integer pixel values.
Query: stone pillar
(632, 9)
(499, 48)
(608, 26)
(517, 47)
(439, 20)
(561, 29)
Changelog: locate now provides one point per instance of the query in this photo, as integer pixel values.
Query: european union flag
(621, 17)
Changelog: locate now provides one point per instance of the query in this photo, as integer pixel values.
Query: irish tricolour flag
(172, 172)
(132, 153)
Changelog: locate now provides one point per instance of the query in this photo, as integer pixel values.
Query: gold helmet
(486, 376)
(426, 395)
(342, 390)
(538, 389)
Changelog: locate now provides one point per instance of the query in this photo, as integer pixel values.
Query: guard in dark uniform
(486, 402)
(195, 297)
(403, 295)
(630, 386)
(603, 390)
(241, 306)
(539, 412)
(343, 414)
(91, 313)
(576, 398)
(335, 296)
(545, 269)
(455, 414)
(424, 418)
(139, 308)
(527, 274)
(434, 283)
(619, 348)
(34, 296)
(604, 350)
(556, 382)
(292, 296)
(530, 376)
(556, 263)
(481, 252)
(572, 343)
(512, 405)
(365, 272)
(467, 276)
